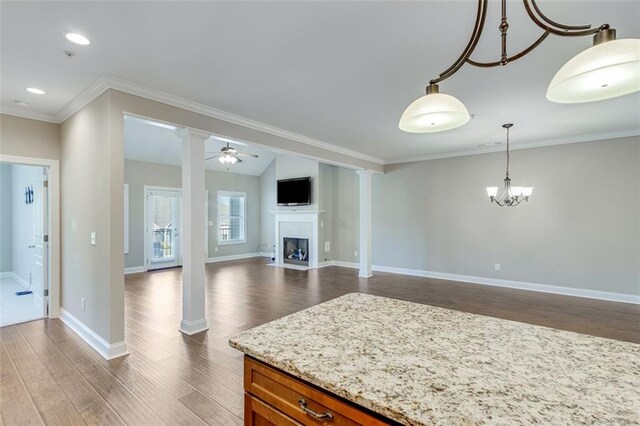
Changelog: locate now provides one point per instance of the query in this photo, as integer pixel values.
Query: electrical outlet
(322, 224)
(215, 249)
(82, 303)
(327, 246)
(93, 238)
(210, 223)
(497, 267)
(355, 254)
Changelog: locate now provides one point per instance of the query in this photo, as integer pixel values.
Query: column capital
(365, 172)
(187, 133)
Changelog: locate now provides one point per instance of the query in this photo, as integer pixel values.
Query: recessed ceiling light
(77, 39)
(21, 103)
(35, 91)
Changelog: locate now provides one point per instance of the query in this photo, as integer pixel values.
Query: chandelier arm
(473, 42)
(563, 32)
(557, 24)
(511, 58)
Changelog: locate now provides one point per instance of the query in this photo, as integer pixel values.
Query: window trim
(244, 217)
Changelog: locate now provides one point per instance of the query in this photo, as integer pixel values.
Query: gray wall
(6, 208)
(345, 214)
(138, 174)
(29, 138)
(580, 229)
(267, 205)
(325, 201)
(88, 170)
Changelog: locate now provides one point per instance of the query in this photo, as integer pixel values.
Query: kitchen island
(395, 361)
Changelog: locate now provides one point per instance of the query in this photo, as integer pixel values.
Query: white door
(163, 229)
(41, 240)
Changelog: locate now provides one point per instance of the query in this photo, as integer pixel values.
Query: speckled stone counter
(422, 365)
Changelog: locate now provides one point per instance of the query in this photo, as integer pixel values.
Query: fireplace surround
(297, 224)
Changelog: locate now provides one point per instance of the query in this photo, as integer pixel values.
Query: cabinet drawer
(286, 394)
(257, 413)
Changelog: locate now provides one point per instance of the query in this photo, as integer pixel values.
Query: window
(231, 217)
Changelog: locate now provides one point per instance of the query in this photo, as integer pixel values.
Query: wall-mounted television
(294, 192)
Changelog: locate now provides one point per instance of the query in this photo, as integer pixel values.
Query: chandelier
(608, 69)
(511, 195)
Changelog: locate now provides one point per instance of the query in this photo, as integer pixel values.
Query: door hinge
(45, 238)
(46, 292)
(45, 183)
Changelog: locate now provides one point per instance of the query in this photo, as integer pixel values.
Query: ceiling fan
(229, 155)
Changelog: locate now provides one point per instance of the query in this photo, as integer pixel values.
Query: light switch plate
(93, 238)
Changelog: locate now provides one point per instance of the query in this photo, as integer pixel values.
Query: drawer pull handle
(323, 417)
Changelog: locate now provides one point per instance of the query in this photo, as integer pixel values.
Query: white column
(365, 223)
(194, 318)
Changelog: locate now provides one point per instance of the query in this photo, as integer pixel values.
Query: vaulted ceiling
(339, 72)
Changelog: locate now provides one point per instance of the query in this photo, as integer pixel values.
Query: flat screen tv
(294, 192)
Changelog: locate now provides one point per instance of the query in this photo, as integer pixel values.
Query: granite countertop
(418, 364)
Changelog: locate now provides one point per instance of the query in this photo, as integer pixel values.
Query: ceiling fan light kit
(609, 69)
(230, 155)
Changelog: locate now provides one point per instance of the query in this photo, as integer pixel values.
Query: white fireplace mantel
(298, 224)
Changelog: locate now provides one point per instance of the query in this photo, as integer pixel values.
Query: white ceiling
(144, 141)
(340, 72)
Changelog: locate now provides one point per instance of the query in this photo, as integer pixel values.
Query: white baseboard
(134, 270)
(543, 288)
(266, 254)
(232, 257)
(192, 327)
(340, 263)
(105, 349)
(520, 285)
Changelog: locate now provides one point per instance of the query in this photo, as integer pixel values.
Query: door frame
(145, 251)
(145, 223)
(53, 217)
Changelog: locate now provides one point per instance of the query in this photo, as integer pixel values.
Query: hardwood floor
(49, 375)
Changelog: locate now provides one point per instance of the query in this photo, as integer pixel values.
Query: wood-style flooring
(49, 375)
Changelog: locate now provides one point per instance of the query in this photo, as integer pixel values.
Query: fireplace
(295, 251)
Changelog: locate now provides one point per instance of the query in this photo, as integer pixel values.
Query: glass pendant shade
(434, 112)
(604, 71)
(492, 191)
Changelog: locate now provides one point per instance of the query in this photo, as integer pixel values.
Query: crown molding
(80, 101)
(32, 115)
(166, 98)
(501, 148)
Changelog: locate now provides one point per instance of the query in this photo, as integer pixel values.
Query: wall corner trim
(106, 350)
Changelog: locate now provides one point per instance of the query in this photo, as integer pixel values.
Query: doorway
(163, 226)
(24, 243)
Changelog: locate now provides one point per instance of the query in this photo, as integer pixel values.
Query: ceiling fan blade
(248, 155)
(212, 157)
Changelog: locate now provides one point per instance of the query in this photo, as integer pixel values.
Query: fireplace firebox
(295, 251)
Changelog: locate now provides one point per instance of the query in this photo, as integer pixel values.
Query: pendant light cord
(508, 155)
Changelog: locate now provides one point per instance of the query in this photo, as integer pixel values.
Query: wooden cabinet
(273, 397)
